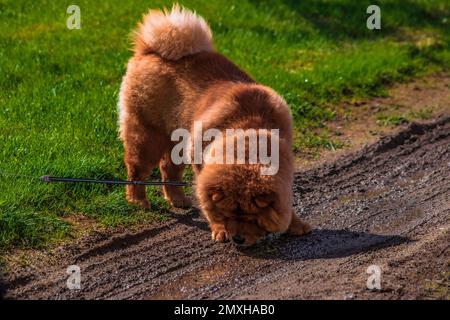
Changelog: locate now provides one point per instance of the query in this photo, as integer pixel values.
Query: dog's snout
(238, 240)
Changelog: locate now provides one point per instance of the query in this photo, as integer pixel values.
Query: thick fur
(176, 78)
(173, 34)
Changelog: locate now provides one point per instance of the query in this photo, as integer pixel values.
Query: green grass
(391, 120)
(58, 87)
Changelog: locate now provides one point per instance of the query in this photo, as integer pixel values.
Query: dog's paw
(144, 203)
(299, 228)
(180, 202)
(219, 235)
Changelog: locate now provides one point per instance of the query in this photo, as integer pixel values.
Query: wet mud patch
(386, 205)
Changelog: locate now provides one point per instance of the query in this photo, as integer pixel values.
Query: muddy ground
(386, 205)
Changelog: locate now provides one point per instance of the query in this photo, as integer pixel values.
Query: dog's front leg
(218, 232)
(298, 227)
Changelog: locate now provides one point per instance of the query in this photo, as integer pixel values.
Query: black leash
(145, 183)
(49, 178)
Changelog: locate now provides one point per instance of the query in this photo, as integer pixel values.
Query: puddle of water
(191, 281)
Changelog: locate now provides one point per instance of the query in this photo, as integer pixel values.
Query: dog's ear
(264, 200)
(217, 196)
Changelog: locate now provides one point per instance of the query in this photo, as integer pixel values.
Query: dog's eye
(217, 196)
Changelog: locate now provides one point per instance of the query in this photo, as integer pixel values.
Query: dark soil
(386, 205)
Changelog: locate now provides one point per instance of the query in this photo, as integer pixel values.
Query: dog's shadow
(321, 244)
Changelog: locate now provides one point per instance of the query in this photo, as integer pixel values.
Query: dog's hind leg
(144, 148)
(173, 172)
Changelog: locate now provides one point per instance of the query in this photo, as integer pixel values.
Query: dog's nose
(238, 240)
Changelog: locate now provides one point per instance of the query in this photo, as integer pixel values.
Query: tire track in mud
(387, 204)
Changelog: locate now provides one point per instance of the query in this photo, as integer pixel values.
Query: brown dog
(175, 78)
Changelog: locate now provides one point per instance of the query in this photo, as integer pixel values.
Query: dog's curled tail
(173, 34)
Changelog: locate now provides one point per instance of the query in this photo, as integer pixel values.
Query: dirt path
(386, 205)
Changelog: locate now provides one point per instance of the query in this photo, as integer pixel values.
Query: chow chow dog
(175, 78)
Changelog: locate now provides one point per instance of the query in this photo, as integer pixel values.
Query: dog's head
(248, 204)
